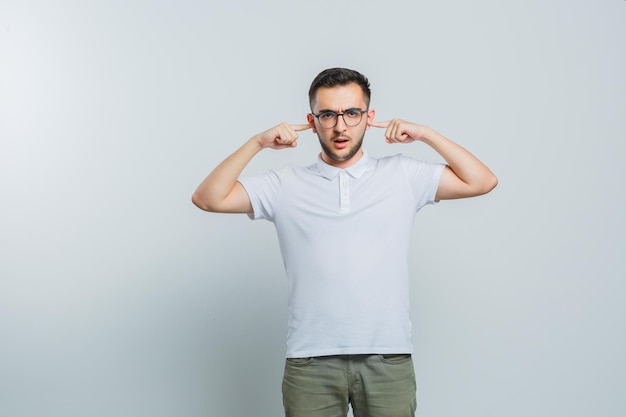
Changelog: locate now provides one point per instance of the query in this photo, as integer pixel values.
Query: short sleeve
(262, 191)
(424, 179)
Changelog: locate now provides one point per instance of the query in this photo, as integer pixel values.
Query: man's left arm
(464, 176)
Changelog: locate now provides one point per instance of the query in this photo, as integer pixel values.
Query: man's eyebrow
(333, 111)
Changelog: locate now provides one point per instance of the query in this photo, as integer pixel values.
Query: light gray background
(120, 298)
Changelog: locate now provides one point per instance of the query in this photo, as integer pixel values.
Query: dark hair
(332, 77)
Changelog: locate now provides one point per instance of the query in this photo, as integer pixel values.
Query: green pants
(375, 386)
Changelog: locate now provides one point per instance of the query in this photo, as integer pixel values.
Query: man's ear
(371, 114)
(311, 120)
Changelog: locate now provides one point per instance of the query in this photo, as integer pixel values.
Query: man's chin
(343, 156)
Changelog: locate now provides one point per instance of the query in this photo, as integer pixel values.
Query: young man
(344, 225)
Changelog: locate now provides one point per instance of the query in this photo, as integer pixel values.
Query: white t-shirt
(344, 236)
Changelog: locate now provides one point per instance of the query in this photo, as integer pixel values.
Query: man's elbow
(482, 187)
(199, 202)
(489, 184)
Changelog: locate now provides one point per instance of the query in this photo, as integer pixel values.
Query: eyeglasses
(351, 117)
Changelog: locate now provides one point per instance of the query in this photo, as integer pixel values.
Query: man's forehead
(339, 97)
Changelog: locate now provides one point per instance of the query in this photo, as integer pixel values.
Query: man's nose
(341, 124)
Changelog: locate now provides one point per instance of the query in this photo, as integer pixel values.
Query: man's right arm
(220, 191)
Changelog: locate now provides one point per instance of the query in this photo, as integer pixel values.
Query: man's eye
(327, 115)
(352, 113)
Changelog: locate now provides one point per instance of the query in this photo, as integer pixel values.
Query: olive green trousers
(374, 385)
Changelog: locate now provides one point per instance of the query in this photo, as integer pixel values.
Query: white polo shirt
(344, 236)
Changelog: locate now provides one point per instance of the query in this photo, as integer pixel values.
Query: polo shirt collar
(355, 171)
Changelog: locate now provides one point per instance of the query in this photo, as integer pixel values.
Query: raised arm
(220, 192)
(464, 176)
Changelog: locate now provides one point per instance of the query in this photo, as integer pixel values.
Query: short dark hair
(332, 77)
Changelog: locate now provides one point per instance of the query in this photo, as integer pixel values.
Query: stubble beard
(333, 155)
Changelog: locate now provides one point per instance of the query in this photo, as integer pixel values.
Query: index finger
(300, 127)
(380, 124)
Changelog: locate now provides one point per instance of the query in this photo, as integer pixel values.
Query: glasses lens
(352, 117)
(328, 119)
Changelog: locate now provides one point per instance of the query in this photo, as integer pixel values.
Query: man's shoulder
(281, 171)
(287, 173)
(391, 158)
(393, 161)
(401, 159)
(402, 164)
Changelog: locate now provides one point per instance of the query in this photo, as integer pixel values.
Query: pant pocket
(299, 361)
(395, 359)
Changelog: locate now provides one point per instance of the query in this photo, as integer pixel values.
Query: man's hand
(282, 136)
(400, 131)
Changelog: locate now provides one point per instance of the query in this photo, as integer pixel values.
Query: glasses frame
(317, 116)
